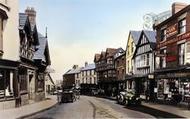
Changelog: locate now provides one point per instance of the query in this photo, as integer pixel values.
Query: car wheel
(138, 102)
(126, 102)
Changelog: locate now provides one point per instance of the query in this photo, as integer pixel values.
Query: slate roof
(74, 71)
(151, 35)
(135, 35)
(41, 49)
(89, 67)
(22, 20)
(120, 52)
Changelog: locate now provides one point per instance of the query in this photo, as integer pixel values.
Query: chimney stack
(86, 64)
(75, 66)
(32, 15)
(177, 6)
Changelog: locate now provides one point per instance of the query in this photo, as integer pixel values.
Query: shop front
(9, 92)
(173, 86)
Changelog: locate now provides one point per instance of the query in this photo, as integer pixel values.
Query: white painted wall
(11, 32)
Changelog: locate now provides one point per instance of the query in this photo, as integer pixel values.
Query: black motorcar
(132, 98)
(68, 95)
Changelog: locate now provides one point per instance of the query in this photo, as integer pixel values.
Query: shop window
(23, 82)
(163, 34)
(182, 26)
(41, 82)
(181, 54)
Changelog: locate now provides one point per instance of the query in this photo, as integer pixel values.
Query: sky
(77, 29)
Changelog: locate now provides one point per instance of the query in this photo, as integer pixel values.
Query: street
(90, 108)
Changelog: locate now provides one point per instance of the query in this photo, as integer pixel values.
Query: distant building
(120, 66)
(72, 77)
(106, 71)
(88, 78)
(49, 84)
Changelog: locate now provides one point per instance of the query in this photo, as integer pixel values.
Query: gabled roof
(102, 55)
(135, 35)
(110, 52)
(42, 52)
(96, 57)
(89, 67)
(120, 52)
(151, 37)
(23, 18)
(24, 24)
(51, 79)
(74, 71)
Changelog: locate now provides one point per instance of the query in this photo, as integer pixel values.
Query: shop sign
(171, 30)
(171, 58)
(151, 76)
(174, 40)
(174, 75)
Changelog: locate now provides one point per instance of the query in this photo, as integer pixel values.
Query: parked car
(132, 98)
(121, 97)
(94, 91)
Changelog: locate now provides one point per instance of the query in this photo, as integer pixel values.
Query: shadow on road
(153, 112)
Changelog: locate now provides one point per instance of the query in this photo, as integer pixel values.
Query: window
(163, 58)
(181, 54)
(182, 26)
(94, 80)
(163, 34)
(147, 59)
(90, 72)
(132, 47)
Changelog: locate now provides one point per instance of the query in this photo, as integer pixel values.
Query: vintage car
(68, 95)
(128, 97)
(121, 97)
(132, 98)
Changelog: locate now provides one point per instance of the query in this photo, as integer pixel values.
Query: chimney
(177, 6)
(75, 66)
(86, 63)
(32, 15)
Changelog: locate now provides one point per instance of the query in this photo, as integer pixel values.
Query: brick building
(173, 55)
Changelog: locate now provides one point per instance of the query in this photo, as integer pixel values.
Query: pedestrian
(58, 96)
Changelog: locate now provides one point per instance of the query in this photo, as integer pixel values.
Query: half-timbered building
(144, 63)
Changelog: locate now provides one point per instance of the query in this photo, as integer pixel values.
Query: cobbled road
(90, 108)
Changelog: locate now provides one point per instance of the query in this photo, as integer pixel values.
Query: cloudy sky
(77, 29)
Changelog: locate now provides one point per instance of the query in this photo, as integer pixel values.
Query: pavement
(181, 111)
(28, 110)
